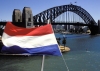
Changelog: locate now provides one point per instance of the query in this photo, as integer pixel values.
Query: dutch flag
(38, 40)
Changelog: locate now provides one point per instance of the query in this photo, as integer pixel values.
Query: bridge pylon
(93, 28)
(27, 17)
(98, 26)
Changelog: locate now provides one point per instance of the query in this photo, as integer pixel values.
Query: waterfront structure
(68, 27)
(27, 17)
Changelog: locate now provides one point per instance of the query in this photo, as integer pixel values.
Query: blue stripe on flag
(46, 50)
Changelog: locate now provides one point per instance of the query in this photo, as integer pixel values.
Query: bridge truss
(54, 12)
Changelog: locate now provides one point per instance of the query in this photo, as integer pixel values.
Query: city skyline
(38, 6)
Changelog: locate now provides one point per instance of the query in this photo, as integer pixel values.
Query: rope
(65, 63)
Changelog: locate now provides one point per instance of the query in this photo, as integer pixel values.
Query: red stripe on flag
(12, 30)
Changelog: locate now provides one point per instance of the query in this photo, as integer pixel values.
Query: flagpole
(42, 67)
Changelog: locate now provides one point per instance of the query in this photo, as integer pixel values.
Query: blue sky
(37, 6)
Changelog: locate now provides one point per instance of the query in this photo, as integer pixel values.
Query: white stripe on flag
(29, 41)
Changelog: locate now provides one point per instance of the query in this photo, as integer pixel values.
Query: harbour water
(84, 56)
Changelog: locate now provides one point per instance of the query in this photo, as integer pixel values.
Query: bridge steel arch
(54, 12)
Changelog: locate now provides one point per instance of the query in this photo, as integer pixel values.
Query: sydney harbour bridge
(65, 14)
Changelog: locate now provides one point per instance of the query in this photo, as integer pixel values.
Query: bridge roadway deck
(20, 24)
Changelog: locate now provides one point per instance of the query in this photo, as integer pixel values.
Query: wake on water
(87, 50)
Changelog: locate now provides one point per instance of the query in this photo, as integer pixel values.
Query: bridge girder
(54, 12)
